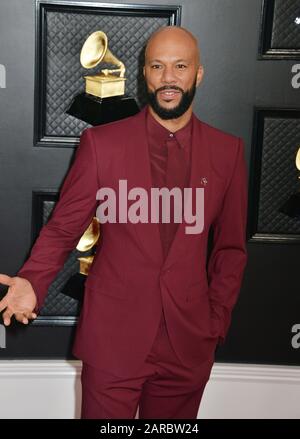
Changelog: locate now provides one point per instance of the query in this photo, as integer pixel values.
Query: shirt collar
(159, 134)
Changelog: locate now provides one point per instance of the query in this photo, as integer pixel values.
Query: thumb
(6, 280)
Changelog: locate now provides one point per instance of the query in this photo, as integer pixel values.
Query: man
(152, 313)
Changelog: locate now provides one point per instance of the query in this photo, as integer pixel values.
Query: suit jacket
(129, 281)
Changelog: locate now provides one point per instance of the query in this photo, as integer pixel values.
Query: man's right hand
(20, 300)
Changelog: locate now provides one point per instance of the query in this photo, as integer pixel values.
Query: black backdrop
(248, 50)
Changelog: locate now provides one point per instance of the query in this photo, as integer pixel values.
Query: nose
(168, 76)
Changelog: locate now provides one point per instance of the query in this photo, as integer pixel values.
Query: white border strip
(40, 389)
(253, 372)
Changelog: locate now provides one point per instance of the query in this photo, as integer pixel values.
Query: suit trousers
(163, 388)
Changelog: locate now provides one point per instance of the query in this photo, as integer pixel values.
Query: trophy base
(292, 207)
(75, 287)
(97, 111)
(103, 86)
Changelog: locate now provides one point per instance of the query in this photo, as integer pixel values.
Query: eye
(181, 66)
(155, 66)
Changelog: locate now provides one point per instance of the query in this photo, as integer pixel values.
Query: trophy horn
(95, 49)
(298, 160)
(90, 236)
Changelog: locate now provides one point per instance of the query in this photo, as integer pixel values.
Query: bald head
(173, 36)
(172, 73)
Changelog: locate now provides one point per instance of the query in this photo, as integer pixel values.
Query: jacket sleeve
(229, 255)
(70, 218)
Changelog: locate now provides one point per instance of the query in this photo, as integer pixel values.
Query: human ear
(200, 74)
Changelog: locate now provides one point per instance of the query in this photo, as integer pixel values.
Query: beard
(172, 113)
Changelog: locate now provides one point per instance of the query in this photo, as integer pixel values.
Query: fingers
(30, 315)
(6, 280)
(7, 315)
(3, 304)
(24, 317)
(20, 317)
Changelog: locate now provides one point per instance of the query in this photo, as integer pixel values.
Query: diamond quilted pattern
(56, 303)
(65, 35)
(279, 175)
(286, 31)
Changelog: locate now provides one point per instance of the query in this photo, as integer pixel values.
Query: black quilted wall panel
(286, 24)
(56, 303)
(61, 32)
(274, 174)
(280, 33)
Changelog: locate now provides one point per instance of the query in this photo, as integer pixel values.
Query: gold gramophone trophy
(75, 285)
(105, 83)
(104, 99)
(292, 207)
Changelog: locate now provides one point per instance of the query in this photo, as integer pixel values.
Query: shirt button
(171, 135)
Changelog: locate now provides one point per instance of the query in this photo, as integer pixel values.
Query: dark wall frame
(254, 234)
(41, 138)
(40, 198)
(266, 49)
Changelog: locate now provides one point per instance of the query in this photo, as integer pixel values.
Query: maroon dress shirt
(170, 166)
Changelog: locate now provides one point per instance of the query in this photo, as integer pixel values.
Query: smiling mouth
(169, 94)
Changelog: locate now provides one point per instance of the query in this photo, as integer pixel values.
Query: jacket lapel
(139, 175)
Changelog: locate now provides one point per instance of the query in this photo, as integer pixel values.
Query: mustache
(169, 88)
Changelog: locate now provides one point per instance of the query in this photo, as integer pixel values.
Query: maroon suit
(130, 282)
